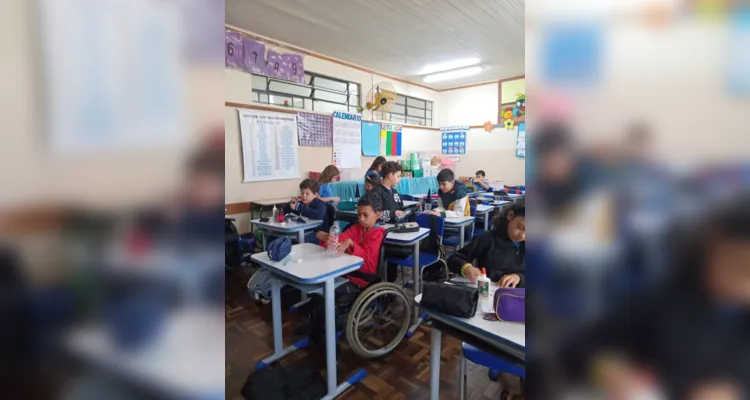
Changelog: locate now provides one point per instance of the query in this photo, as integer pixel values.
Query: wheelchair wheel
(378, 320)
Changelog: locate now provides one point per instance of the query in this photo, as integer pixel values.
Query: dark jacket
(678, 333)
(493, 251)
(391, 202)
(316, 210)
(454, 203)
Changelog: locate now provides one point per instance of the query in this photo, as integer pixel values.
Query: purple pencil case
(510, 305)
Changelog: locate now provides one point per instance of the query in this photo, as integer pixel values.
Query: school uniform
(316, 210)
(454, 203)
(326, 191)
(495, 252)
(481, 188)
(391, 201)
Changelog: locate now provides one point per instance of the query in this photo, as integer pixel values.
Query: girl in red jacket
(363, 239)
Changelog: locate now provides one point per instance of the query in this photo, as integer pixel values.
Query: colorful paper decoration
(234, 52)
(509, 124)
(520, 108)
(454, 139)
(390, 140)
(255, 56)
(250, 55)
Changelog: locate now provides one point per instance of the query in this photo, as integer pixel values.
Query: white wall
(494, 152)
(238, 89)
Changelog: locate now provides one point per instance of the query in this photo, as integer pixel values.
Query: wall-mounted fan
(380, 99)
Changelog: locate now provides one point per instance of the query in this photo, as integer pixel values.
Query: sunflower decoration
(509, 124)
(488, 126)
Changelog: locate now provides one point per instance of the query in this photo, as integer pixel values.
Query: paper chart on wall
(521, 140)
(269, 145)
(347, 140)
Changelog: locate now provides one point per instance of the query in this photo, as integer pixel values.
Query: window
(318, 93)
(411, 110)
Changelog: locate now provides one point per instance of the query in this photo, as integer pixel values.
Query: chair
(495, 364)
(381, 308)
(430, 256)
(469, 233)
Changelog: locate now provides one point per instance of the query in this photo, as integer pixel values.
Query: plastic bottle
(333, 236)
(275, 213)
(483, 287)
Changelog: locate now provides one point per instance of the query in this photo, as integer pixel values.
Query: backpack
(259, 285)
(293, 382)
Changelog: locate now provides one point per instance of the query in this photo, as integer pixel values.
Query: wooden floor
(403, 374)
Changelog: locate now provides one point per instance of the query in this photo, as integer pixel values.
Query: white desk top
(483, 209)
(497, 331)
(272, 202)
(287, 226)
(513, 195)
(409, 203)
(181, 361)
(310, 263)
(422, 195)
(406, 238)
(481, 194)
(458, 221)
(498, 203)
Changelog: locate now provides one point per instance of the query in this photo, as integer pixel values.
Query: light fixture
(453, 74)
(449, 65)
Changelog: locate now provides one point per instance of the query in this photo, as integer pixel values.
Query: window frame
(429, 106)
(313, 89)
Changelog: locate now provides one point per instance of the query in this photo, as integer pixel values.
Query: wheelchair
(375, 318)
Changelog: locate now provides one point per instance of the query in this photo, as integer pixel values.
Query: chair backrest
(382, 259)
(433, 244)
(330, 216)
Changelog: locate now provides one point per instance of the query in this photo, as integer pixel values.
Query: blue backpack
(279, 248)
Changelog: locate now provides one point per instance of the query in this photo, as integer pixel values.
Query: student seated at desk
(479, 182)
(326, 191)
(376, 167)
(453, 197)
(362, 240)
(500, 251)
(308, 206)
(393, 206)
(371, 181)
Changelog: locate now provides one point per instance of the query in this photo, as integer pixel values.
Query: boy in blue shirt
(308, 205)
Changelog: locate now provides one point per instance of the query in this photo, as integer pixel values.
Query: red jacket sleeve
(369, 251)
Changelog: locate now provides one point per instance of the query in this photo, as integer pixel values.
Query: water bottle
(333, 235)
(275, 213)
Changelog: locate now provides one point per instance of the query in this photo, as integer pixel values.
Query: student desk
(180, 362)
(511, 197)
(309, 268)
(508, 340)
(286, 229)
(267, 204)
(484, 212)
(460, 223)
(410, 239)
(485, 195)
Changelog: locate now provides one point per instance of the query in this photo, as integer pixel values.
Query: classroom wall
(238, 90)
(494, 152)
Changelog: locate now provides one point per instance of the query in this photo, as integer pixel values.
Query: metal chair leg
(462, 378)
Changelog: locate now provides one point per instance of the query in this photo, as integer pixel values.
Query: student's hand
(472, 273)
(293, 203)
(510, 280)
(322, 236)
(400, 213)
(342, 246)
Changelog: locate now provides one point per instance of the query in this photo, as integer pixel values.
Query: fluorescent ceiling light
(449, 65)
(454, 74)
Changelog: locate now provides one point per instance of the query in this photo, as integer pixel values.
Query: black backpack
(294, 382)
